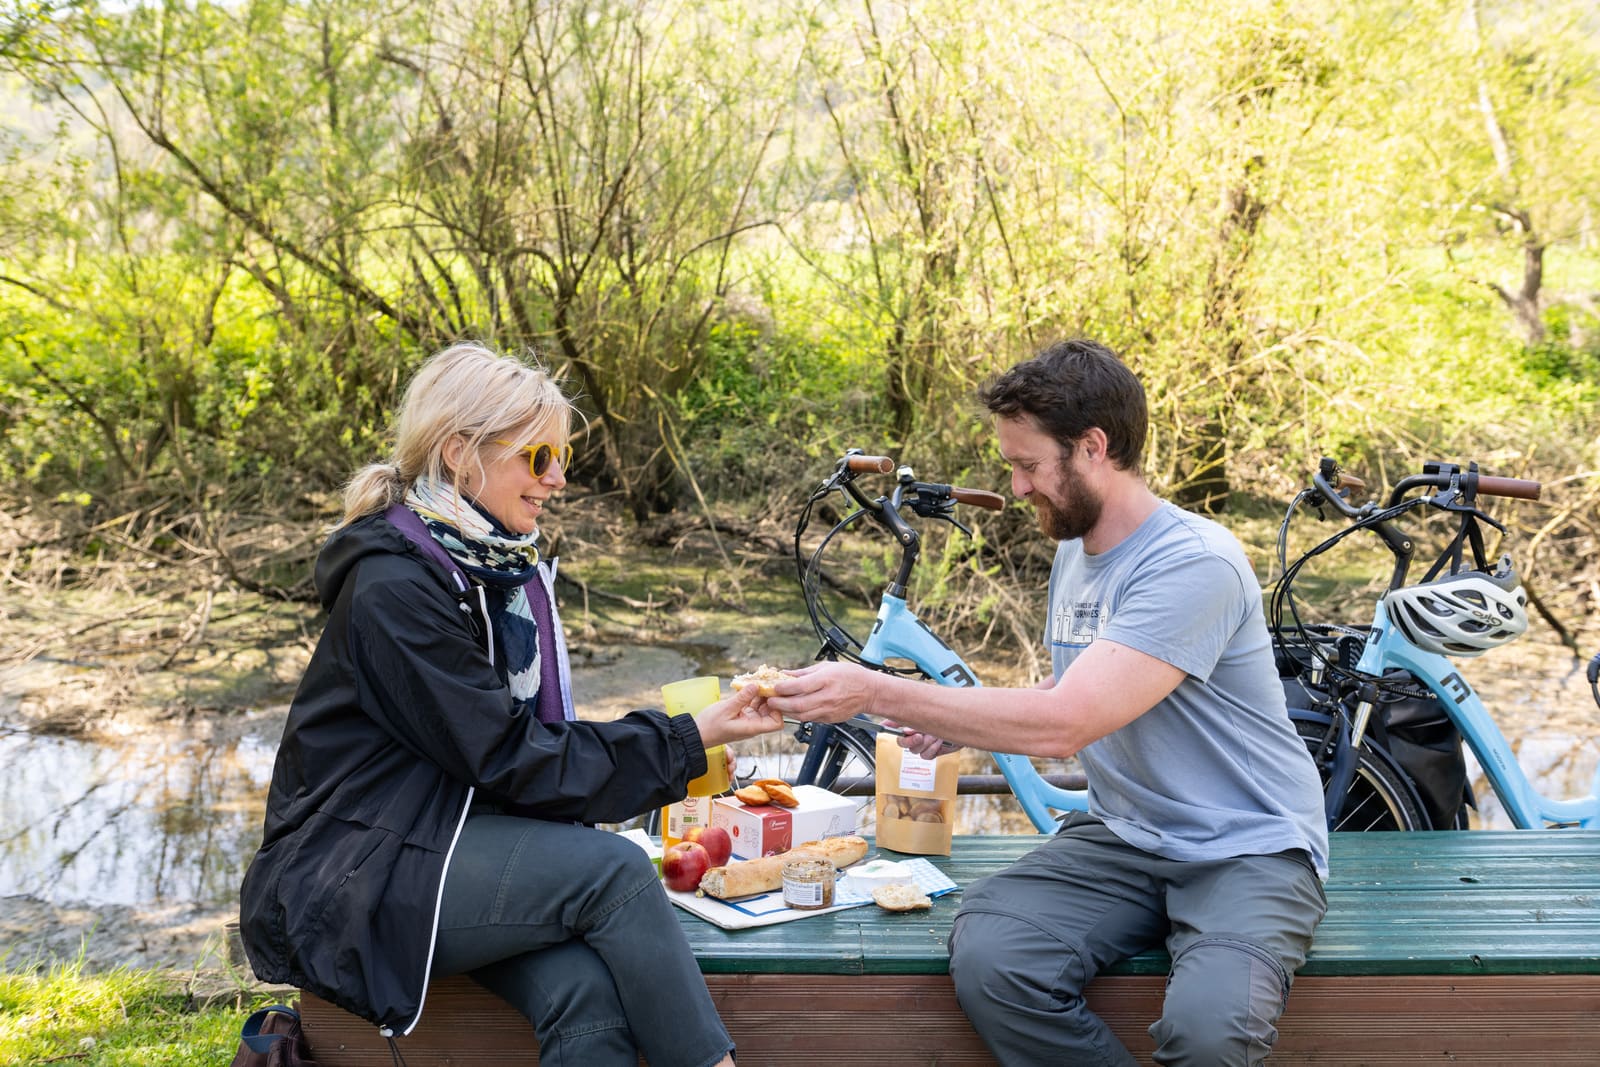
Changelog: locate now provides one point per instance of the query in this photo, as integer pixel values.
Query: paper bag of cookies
(915, 799)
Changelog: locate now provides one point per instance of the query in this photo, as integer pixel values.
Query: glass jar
(808, 884)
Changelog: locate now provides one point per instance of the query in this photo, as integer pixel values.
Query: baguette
(744, 878)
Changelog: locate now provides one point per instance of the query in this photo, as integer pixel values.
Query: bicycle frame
(1386, 647)
(899, 634)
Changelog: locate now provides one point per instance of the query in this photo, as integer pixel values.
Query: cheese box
(767, 829)
(874, 874)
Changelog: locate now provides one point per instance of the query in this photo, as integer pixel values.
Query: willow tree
(1526, 83)
(584, 169)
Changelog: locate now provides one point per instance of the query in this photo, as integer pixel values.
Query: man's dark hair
(1070, 387)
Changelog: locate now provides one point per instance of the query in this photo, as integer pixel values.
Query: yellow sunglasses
(540, 453)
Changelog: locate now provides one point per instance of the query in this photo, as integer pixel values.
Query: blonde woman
(431, 807)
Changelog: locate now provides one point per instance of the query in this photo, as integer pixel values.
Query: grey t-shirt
(1215, 769)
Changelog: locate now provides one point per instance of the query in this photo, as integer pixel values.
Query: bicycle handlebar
(1518, 488)
(1481, 484)
(926, 500)
(1457, 491)
(859, 463)
(1333, 485)
(978, 497)
(869, 464)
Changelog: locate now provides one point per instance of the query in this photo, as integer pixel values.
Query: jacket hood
(348, 545)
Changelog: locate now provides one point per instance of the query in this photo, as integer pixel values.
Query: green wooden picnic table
(1455, 902)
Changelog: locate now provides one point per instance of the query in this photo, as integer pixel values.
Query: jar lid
(804, 867)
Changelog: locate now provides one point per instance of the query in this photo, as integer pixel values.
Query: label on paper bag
(916, 773)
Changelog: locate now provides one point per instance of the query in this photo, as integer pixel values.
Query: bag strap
(251, 1034)
(410, 523)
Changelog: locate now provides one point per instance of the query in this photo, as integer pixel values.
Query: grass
(119, 1018)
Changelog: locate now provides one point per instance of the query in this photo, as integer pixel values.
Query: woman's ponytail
(373, 489)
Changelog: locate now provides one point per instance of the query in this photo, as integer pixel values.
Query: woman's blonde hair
(467, 390)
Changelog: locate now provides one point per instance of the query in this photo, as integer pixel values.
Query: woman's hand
(744, 714)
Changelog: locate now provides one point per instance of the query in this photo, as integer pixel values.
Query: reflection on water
(152, 819)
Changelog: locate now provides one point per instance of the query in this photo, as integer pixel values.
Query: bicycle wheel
(847, 760)
(1379, 797)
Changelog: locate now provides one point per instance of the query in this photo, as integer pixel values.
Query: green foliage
(750, 236)
(776, 401)
(113, 1019)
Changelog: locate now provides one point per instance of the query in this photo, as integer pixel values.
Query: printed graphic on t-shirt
(1079, 623)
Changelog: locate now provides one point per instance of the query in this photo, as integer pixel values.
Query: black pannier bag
(1427, 745)
(1409, 723)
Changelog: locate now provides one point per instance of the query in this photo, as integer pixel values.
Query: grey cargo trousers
(1027, 941)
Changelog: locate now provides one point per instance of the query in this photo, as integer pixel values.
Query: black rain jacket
(400, 720)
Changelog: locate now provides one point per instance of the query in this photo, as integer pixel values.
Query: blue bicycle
(900, 642)
(1382, 707)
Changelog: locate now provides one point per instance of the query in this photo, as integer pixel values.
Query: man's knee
(1223, 1001)
(996, 959)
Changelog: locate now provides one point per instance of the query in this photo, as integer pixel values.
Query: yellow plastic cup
(689, 697)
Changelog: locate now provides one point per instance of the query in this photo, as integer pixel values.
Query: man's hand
(834, 692)
(826, 692)
(744, 714)
(926, 745)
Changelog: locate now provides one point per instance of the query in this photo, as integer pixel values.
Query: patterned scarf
(506, 563)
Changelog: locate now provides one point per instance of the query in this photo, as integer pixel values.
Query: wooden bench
(1471, 947)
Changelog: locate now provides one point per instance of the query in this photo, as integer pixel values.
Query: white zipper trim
(438, 904)
(488, 627)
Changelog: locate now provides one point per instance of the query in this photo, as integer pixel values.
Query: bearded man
(1205, 829)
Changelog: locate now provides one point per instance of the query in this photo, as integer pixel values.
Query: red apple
(683, 864)
(714, 839)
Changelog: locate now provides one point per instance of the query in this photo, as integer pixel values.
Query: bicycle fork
(1339, 752)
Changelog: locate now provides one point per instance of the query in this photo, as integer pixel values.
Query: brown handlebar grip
(1346, 480)
(979, 497)
(870, 464)
(1521, 488)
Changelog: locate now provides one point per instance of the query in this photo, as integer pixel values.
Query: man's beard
(1078, 517)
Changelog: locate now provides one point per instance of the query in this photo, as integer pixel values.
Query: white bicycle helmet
(1462, 614)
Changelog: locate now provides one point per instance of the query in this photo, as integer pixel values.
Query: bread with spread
(764, 678)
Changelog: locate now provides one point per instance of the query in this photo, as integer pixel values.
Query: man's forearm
(1034, 722)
